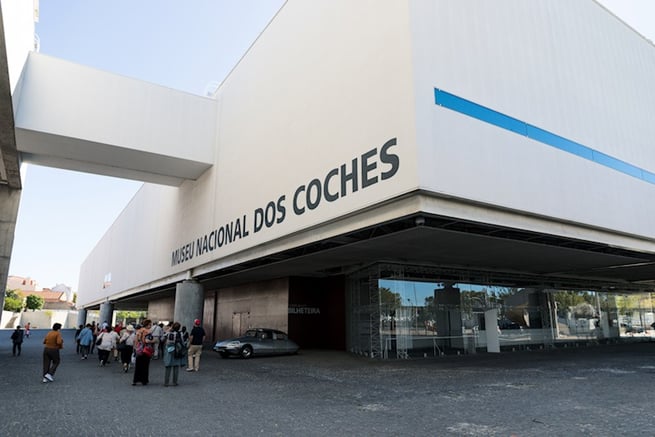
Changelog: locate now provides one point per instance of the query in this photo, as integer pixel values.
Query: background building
(58, 305)
(21, 283)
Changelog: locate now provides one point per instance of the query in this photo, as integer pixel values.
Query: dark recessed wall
(317, 312)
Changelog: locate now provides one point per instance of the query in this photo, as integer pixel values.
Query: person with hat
(126, 346)
(195, 346)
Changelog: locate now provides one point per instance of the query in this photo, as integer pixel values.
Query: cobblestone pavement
(594, 391)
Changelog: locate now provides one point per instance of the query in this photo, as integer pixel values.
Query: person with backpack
(174, 349)
(85, 340)
(17, 340)
(126, 346)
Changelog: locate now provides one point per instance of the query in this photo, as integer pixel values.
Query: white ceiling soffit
(79, 118)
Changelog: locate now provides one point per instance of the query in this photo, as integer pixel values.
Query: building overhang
(458, 247)
(459, 250)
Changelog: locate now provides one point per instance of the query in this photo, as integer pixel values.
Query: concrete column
(189, 303)
(491, 328)
(81, 317)
(106, 313)
(9, 201)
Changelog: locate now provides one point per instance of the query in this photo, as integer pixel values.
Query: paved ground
(594, 391)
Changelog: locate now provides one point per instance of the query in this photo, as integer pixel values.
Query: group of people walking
(139, 345)
(52, 342)
(175, 343)
(111, 343)
(136, 346)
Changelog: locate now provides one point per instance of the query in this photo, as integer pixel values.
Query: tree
(584, 311)
(568, 299)
(13, 302)
(34, 302)
(389, 299)
(127, 317)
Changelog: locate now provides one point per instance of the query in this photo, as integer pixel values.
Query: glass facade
(397, 311)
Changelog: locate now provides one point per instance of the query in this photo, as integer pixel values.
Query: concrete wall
(295, 109)
(41, 319)
(9, 320)
(570, 68)
(290, 114)
(9, 199)
(161, 310)
(257, 305)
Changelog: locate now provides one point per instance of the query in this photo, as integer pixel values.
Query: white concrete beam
(79, 118)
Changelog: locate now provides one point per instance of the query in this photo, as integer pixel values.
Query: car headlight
(233, 344)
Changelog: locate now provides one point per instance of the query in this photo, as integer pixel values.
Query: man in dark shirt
(17, 340)
(195, 346)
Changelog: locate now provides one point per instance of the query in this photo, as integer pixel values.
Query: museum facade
(399, 179)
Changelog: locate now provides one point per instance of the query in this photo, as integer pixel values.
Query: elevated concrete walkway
(78, 118)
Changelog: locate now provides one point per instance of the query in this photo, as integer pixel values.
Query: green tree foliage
(13, 302)
(33, 302)
(584, 311)
(127, 317)
(570, 299)
(632, 303)
(389, 299)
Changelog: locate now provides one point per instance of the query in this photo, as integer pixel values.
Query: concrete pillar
(106, 313)
(81, 317)
(491, 328)
(189, 303)
(9, 200)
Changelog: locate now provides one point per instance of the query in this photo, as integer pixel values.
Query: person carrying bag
(143, 342)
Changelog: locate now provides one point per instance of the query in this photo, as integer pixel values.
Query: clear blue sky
(179, 44)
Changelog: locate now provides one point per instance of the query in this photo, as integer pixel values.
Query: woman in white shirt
(105, 342)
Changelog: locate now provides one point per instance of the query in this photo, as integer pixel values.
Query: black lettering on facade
(220, 236)
(313, 200)
(352, 176)
(298, 210)
(363, 171)
(280, 208)
(326, 186)
(368, 167)
(245, 227)
(389, 158)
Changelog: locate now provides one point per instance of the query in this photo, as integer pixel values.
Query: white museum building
(391, 178)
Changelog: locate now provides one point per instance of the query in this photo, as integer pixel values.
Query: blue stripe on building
(472, 109)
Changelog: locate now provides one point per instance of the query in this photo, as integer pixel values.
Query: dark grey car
(257, 341)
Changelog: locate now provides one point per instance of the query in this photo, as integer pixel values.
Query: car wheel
(224, 354)
(246, 351)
